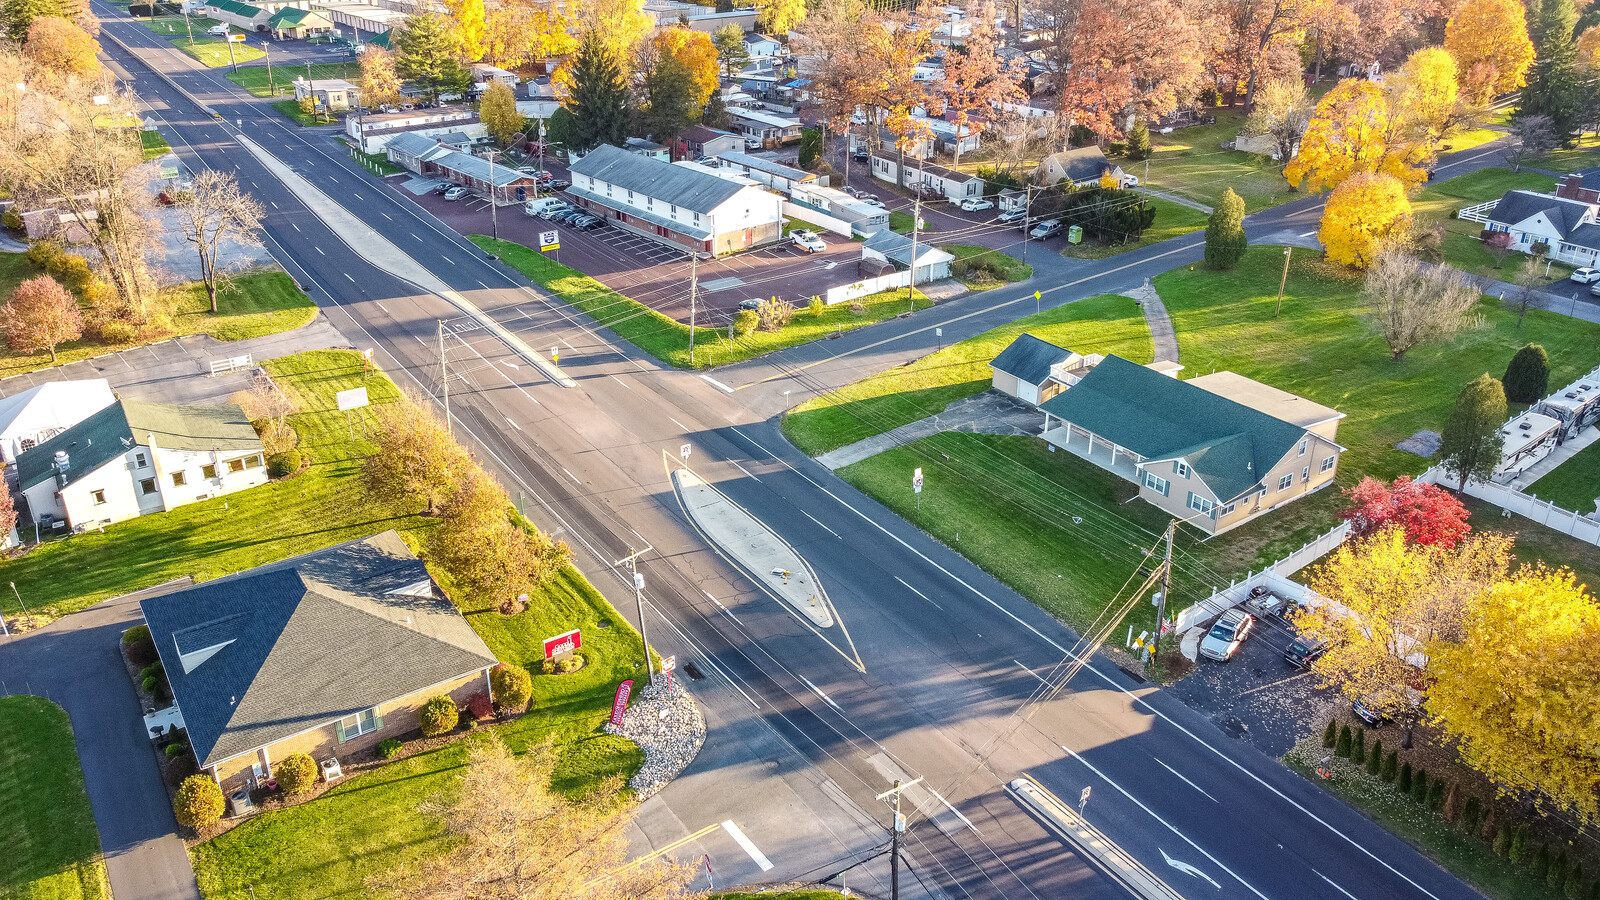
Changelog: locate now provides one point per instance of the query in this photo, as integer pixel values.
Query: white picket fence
(1478, 212)
(865, 286)
(1528, 506)
(1275, 577)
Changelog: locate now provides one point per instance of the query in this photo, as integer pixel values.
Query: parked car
(752, 143)
(1586, 275)
(568, 216)
(217, 30)
(590, 223)
(1012, 217)
(871, 201)
(1303, 651)
(441, 187)
(974, 204)
(1130, 181)
(1225, 637)
(1373, 709)
(860, 154)
(555, 209)
(752, 303)
(1594, 289)
(455, 193)
(542, 207)
(808, 241)
(559, 184)
(1046, 229)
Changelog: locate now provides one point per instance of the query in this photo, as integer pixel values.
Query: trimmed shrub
(1518, 849)
(1225, 238)
(1471, 815)
(438, 716)
(1342, 748)
(1419, 785)
(746, 320)
(136, 634)
(284, 463)
(1375, 758)
(512, 685)
(296, 773)
(154, 668)
(388, 748)
(1331, 733)
(1540, 865)
(173, 750)
(1358, 749)
(12, 218)
(479, 707)
(199, 802)
(1404, 785)
(817, 307)
(1502, 842)
(1436, 792)
(1391, 766)
(150, 682)
(1527, 378)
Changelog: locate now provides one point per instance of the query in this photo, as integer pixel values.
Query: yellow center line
(670, 847)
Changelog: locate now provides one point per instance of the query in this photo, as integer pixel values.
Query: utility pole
(494, 202)
(187, 25)
(272, 89)
(894, 839)
(1287, 252)
(632, 559)
(1161, 602)
(233, 64)
(694, 286)
(1027, 219)
(444, 381)
(916, 230)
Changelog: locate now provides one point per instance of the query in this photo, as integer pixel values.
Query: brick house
(326, 654)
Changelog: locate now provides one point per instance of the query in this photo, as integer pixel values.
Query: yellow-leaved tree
(1517, 689)
(1363, 216)
(699, 56)
(469, 19)
(1489, 39)
(1425, 96)
(1588, 46)
(777, 17)
(1393, 600)
(1357, 129)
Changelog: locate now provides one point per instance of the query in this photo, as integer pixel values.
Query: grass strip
(52, 848)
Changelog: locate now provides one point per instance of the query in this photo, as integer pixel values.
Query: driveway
(74, 661)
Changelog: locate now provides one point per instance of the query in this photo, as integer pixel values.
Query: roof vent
(63, 461)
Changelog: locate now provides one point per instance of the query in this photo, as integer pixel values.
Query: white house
(484, 75)
(649, 149)
(864, 218)
(937, 181)
(680, 204)
(133, 458)
(330, 93)
(893, 249)
(41, 412)
(1034, 370)
(771, 130)
(775, 175)
(759, 45)
(374, 132)
(1081, 167)
(1568, 227)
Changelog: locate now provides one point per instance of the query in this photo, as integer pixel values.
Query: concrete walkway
(1175, 198)
(987, 413)
(1163, 338)
(1557, 456)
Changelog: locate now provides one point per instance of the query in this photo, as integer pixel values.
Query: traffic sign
(549, 240)
(683, 452)
(668, 663)
(916, 480)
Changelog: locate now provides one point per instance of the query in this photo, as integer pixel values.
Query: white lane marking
(385, 215)
(818, 691)
(296, 227)
(1336, 886)
(1184, 779)
(352, 280)
(621, 382)
(511, 364)
(726, 610)
(1186, 839)
(357, 195)
(749, 847)
(568, 346)
(572, 476)
(482, 285)
(1187, 869)
(717, 383)
(381, 306)
(744, 470)
(1135, 698)
(819, 523)
(274, 205)
(319, 250)
(679, 424)
(1308, 234)
(917, 592)
(519, 428)
(1034, 674)
(447, 259)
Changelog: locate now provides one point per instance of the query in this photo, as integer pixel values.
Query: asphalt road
(957, 667)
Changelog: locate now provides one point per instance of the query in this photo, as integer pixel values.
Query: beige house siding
(1319, 447)
(399, 717)
(1005, 383)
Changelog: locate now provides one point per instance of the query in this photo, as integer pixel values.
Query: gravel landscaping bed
(668, 727)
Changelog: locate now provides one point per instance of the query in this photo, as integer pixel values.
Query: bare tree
(1282, 112)
(1527, 291)
(266, 405)
(1531, 137)
(1412, 303)
(214, 211)
(516, 839)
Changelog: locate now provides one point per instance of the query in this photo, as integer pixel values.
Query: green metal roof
(1227, 444)
(382, 40)
(120, 427)
(1030, 358)
(289, 17)
(245, 10)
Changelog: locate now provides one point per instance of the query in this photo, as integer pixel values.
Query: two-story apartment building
(680, 204)
(133, 458)
(457, 125)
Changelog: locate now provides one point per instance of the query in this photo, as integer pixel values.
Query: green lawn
(376, 163)
(290, 109)
(213, 52)
(255, 304)
(255, 78)
(1574, 484)
(154, 144)
(52, 849)
(1104, 324)
(174, 26)
(667, 339)
(216, 537)
(900, 222)
(981, 268)
(1537, 543)
(1462, 249)
(1321, 350)
(1191, 162)
(1172, 220)
(1584, 152)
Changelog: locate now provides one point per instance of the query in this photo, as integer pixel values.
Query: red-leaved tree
(41, 314)
(1429, 515)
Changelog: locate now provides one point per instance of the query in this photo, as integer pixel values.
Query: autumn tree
(1412, 303)
(1426, 513)
(892, 45)
(416, 458)
(427, 56)
(779, 17)
(1362, 216)
(1516, 688)
(617, 27)
(1225, 239)
(469, 19)
(697, 54)
(514, 838)
(18, 16)
(8, 514)
(62, 48)
(487, 556)
(1490, 43)
(497, 108)
(598, 99)
(1393, 599)
(1282, 112)
(976, 78)
(1527, 378)
(40, 315)
(834, 59)
(1123, 60)
(1555, 87)
(1470, 443)
(379, 83)
(734, 55)
(1426, 98)
(1356, 130)
(1249, 38)
(1588, 48)
(214, 213)
(669, 103)
(518, 33)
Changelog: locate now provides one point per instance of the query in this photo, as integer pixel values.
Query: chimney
(1570, 187)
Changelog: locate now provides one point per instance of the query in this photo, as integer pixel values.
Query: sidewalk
(1163, 339)
(985, 413)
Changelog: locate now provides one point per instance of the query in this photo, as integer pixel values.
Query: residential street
(800, 740)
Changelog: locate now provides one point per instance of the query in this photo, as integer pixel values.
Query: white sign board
(355, 398)
(668, 663)
(683, 451)
(916, 480)
(549, 240)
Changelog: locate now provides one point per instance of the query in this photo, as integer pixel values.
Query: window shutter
(1174, 467)
(377, 719)
(1166, 489)
(338, 732)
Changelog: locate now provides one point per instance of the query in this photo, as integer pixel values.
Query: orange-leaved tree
(1362, 216)
(976, 78)
(40, 315)
(699, 56)
(62, 48)
(1489, 39)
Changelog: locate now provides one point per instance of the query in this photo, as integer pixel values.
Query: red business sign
(562, 643)
(619, 706)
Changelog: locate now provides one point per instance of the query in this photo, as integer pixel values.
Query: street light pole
(272, 88)
(632, 560)
(494, 202)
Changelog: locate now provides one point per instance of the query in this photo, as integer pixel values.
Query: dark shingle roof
(90, 444)
(298, 644)
(1229, 445)
(1518, 206)
(897, 247)
(1082, 164)
(677, 185)
(1030, 359)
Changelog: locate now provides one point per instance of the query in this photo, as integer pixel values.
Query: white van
(540, 206)
(217, 30)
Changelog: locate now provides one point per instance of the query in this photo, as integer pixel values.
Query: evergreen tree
(1555, 88)
(716, 112)
(1470, 443)
(1139, 141)
(810, 147)
(1419, 784)
(1436, 794)
(1471, 815)
(1518, 849)
(1502, 842)
(1558, 872)
(669, 98)
(1391, 766)
(1225, 240)
(1331, 733)
(599, 97)
(1541, 861)
(1358, 748)
(561, 129)
(427, 57)
(1574, 883)
(1404, 784)
(1342, 749)
(1375, 758)
(1527, 378)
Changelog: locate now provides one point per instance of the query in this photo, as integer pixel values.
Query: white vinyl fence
(1275, 577)
(816, 217)
(866, 286)
(1528, 506)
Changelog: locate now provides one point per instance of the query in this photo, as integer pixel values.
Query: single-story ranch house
(325, 654)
